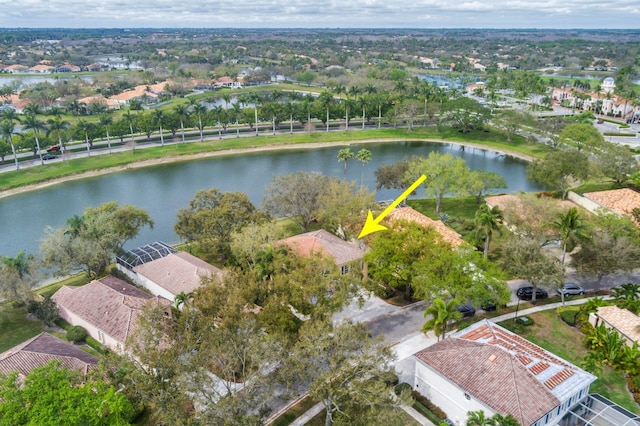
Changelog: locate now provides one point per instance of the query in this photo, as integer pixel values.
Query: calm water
(164, 189)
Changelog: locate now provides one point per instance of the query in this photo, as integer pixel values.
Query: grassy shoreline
(12, 182)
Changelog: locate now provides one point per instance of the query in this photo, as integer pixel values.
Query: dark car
(489, 306)
(467, 311)
(49, 157)
(526, 293)
(55, 148)
(571, 289)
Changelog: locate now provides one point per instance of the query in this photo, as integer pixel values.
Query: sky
(588, 14)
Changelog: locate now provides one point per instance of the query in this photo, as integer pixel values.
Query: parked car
(49, 157)
(571, 289)
(55, 148)
(489, 306)
(526, 293)
(600, 121)
(467, 311)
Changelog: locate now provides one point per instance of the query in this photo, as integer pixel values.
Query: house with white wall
(486, 367)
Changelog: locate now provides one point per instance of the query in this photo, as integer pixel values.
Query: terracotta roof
(158, 87)
(98, 99)
(324, 243)
(223, 80)
(505, 371)
(177, 272)
(41, 350)
(621, 201)
(623, 320)
(136, 92)
(109, 304)
(41, 68)
(411, 215)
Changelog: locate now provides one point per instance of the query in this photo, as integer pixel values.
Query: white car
(571, 289)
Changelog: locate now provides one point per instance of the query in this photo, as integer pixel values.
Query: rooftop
(626, 322)
(504, 371)
(412, 215)
(621, 201)
(324, 243)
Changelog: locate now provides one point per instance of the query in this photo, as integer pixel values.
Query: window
(344, 269)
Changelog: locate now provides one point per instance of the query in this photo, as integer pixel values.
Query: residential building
(41, 69)
(321, 242)
(619, 201)
(486, 367)
(67, 68)
(625, 322)
(41, 350)
(107, 309)
(166, 273)
(409, 214)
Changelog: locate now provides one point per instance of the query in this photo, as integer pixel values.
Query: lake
(164, 189)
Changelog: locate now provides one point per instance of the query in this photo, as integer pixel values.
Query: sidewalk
(528, 311)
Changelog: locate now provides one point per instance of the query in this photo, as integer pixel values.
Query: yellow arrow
(373, 225)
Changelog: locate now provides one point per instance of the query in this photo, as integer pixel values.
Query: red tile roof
(177, 272)
(621, 201)
(504, 371)
(41, 350)
(411, 215)
(109, 304)
(324, 243)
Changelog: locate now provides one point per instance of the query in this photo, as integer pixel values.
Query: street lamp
(517, 307)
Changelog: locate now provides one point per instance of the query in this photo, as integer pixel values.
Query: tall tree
(106, 121)
(560, 170)
(18, 276)
(182, 113)
(364, 156)
(30, 122)
(58, 126)
(7, 128)
(344, 155)
(582, 137)
(346, 370)
(570, 225)
(487, 220)
(159, 118)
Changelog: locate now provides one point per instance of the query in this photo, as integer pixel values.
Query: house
(41, 69)
(168, 275)
(42, 349)
(227, 81)
(16, 69)
(625, 322)
(411, 215)
(139, 93)
(100, 100)
(324, 243)
(67, 68)
(106, 308)
(486, 367)
(620, 201)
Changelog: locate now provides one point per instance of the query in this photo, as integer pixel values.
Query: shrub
(568, 315)
(95, 344)
(76, 334)
(47, 311)
(429, 405)
(32, 306)
(401, 387)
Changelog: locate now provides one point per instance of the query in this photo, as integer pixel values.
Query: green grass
(407, 420)
(463, 207)
(294, 412)
(552, 334)
(73, 281)
(15, 328)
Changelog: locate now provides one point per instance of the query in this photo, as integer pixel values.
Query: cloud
(331, 13)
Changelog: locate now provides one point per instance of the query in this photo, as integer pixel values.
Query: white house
(486, 367)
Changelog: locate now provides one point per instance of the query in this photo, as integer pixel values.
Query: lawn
(552, 334)
(15, 328)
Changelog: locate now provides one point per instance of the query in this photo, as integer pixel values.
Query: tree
(616, 162)
(392, 176)
(47, 311)
(58, 126)
(487, 219)
(364, 156)
(463, 113)
(570, 225)
(199, 110)
(30, 122)
(6, 128)
(341, 207)
(297, 196)
(441, 314)
(106, 121)
(212, 216)
(349, 372)
(18, 276)
(345, 155)
(85, 127)
(481, 183)
(250, 243)
(158, 118)
(581, 137)
(627, 296)
(91, 241)
(182, 113)
(605, 253)
(131, 119)
(51, 393)
(445, 175)
(525, 259)
(560, 170)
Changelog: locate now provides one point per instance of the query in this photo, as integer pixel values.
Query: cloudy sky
(321, 14)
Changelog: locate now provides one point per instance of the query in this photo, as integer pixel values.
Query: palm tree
(441, 314)
(58, 126)
(237, 112)
(200, 110)
(85, 127)
(74, 107)
(131, 120)
(6, 128)
(326, 99)
(345, 155)
(254, 98)
(158, 118)
(183, 299)
(106, 121)
(487, 220)
(30, 122)
(364, 156)
(477, 418)
(627, 296)
(227, 99)
(182, 113)
(569, 225)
